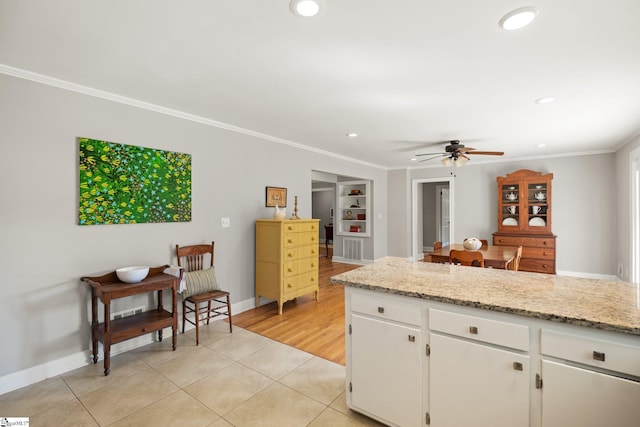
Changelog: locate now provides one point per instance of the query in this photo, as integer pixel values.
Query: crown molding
(97, 93)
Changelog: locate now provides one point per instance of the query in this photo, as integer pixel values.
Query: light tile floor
(239, 379)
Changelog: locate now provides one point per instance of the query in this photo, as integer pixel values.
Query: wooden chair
(328, 236)
(468, 258)
(516, 260)
(436, 245)
(202, 287)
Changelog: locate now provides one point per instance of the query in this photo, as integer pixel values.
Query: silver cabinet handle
(517, 366)
(412, 338)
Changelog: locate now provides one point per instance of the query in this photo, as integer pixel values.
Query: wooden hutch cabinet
(524, 219)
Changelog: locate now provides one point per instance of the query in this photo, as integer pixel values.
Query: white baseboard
(608, 277)
(82, 358)
(350, 261)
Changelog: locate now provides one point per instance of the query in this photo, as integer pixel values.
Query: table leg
(107, 338)
(174, 313)
(160, 309)
(94, 325)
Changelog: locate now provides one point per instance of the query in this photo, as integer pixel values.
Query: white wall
(584, 206)
(43, 252)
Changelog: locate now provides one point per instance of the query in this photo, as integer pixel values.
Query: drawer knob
(544, 242)
(501, 241)
(473, 330)
(380, 310)
(412, 338)
(598, 356)
(517, 366)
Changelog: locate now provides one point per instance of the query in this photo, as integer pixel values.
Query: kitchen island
(442, 345)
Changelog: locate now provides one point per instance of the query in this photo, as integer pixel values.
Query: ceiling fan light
(460, 161)
(446, 161)
(518, 18)
(305, 8)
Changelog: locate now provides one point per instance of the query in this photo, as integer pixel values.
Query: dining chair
(202, 287)
(436, 245)
(516, 259)
(468, 258)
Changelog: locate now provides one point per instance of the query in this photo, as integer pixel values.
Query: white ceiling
(400, 73)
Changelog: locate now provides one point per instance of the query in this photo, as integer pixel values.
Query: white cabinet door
(578, 397)
(386, 376)
(477, 385)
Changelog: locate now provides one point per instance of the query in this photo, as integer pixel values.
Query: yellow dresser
(286, 259)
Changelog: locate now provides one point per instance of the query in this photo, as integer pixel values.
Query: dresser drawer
(291, 269)
(290, 254)
(308, 251)
(298, 227)
(538, 265)
(308, 265)
(308, 238)
(539, 253)
(603, 354)
(308, 281)
(540, 242)
(290, 285)
(480, 329)
(290, 240)
(386, 309)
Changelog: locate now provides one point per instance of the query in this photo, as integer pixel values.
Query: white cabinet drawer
(386, 309)
(476, 328)
(603, 354)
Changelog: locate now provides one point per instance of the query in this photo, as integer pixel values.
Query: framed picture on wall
(276, 196)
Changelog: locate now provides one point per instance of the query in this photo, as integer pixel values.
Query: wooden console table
(108, 287)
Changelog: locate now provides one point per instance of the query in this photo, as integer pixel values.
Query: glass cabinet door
(510, 212)
(537, 205)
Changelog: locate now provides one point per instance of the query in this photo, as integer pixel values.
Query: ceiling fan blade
(487, 153)
(429, 154)
(434, 157)
(465, 149)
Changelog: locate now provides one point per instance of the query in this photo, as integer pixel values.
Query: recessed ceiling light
(305, 8)
(414, 159)
(545, 100)
(352, 135)
(518, 18)
(541, 145)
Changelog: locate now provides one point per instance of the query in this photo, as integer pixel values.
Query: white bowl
(132, 274)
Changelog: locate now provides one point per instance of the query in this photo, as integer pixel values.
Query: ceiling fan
(456, 154)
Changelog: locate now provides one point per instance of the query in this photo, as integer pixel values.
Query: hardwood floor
(316, 327)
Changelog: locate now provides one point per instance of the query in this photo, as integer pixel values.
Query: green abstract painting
(126, 184)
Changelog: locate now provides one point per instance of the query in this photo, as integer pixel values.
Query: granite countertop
(600, 304)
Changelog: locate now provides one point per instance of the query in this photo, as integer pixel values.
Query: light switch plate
(225, 222)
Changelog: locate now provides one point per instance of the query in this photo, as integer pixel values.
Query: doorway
(634, 265)
(431, 213)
